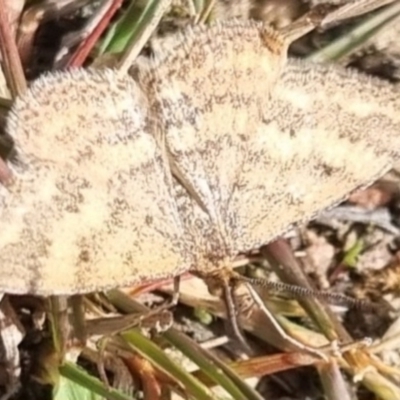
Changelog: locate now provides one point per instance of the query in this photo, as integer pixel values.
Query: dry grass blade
(9, 53)
(151, 17)
(357, 36)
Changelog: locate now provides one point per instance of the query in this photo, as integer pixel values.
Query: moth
(213, 149)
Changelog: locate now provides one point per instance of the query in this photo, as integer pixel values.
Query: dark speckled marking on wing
(327, 132)
(92, 205)
(264, 152)
(211, 90)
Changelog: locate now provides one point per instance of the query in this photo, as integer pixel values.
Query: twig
(11, 60)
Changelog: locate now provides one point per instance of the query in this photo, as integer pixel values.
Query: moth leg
(172, 302)
(279, 330)
(156, 320)
(232, 318)
(223, 284)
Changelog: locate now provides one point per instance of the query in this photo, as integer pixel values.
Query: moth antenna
(232, 315)
(300, 292)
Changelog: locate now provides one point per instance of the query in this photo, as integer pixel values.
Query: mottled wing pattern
(211, 90)
(327, 132)
(91, 207)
